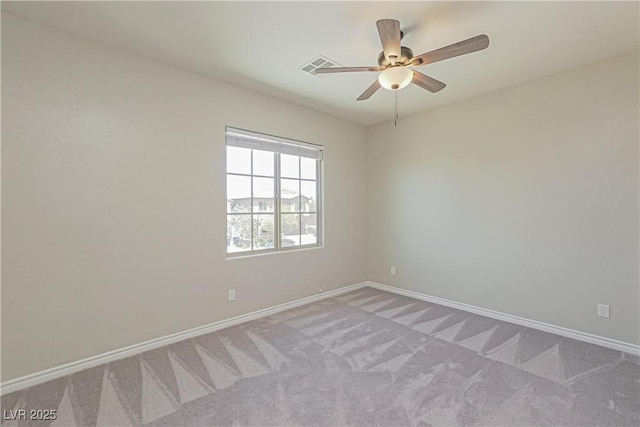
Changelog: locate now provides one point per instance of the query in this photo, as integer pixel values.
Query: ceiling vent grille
(318, 62)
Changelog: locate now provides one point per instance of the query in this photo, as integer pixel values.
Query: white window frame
(256, 141)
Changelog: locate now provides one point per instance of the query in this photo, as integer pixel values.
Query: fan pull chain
(396, 120)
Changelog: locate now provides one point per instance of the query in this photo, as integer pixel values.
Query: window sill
(242, 255)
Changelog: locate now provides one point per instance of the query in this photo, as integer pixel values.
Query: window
(273, 193)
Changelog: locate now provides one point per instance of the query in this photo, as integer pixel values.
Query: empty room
(320, 213)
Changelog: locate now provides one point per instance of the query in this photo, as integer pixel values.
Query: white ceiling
(263, 45)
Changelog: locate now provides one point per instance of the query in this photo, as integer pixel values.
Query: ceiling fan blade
(466, 46)
(345, 69)
(370, 91)
(426, 82)
(389, 31)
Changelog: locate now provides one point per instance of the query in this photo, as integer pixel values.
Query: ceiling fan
(395, 61)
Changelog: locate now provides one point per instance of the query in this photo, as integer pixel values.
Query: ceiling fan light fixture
(395, 78)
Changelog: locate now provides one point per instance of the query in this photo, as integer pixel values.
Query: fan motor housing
(406, 55)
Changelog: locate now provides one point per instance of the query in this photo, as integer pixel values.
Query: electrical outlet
(393, 270)
(603, 311)
(232, 294)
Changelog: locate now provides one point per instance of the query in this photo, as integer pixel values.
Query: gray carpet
(364, 358)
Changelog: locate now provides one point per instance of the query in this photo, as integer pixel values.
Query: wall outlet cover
(604, 311)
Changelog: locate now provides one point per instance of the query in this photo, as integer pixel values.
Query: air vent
(319, 62)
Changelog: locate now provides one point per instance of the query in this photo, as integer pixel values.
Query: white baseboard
(110, 356)
(522, 321)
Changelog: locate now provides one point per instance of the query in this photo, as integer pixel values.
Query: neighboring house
(266, 204)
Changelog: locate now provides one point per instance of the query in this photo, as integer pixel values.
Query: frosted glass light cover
(395, 78)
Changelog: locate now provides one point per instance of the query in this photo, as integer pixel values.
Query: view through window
(273, 193)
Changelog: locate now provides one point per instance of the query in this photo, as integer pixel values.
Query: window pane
(289, 195)
(289, 166)
(238, 193)
(308, 198)
(263, 163)
(238, 233)
(308, 168)
(263, 227)
(309, 229)
(238, 160)
(290, 229)
(263, 195)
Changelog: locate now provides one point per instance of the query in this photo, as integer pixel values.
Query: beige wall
(113, 189)
(524, 200)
